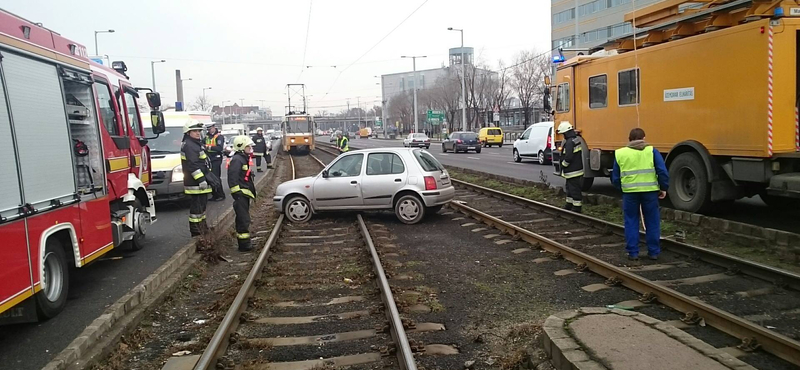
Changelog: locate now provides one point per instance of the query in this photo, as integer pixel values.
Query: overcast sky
(252, 49)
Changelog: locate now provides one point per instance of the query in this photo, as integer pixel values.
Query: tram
(298, 133)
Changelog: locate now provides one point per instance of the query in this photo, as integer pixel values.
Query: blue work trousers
(648, 201)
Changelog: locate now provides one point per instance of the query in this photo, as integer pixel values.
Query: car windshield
(168, 142)
(427, 161)
(420, 136)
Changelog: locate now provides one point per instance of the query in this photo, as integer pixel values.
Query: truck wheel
(142, 221)
(409, 209)
(690, 189)
(54, 281)
(586, 184)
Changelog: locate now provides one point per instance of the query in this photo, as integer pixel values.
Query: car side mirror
(153, 100)
(157, 121)
(325, 174)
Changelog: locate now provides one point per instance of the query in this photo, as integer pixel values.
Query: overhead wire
(373, 47)
(305, 47)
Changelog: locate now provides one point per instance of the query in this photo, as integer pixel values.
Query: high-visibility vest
(637, 170)
(211, 140)
(343, 144)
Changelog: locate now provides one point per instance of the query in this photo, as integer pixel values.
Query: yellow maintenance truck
(715, 88)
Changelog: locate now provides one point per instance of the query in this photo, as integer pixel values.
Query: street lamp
(96, 52)
(414, 60)
(204, 96)
(153, 71)
(463, 78)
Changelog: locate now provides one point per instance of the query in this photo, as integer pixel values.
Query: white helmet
(192, 125)
(241, 142)
(564, 127)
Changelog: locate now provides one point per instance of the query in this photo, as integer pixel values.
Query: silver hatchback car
(409, 181)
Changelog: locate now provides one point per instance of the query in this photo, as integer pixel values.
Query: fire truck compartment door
(9, 181)
(41, 130)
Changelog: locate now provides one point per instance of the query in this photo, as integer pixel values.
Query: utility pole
(153, 71)
(204, 97)
(463, 83)
(96, 52)
(414, 62)
(358, 99)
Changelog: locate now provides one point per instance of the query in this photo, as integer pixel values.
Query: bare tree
(401, 106)
(201, 103)
(527, 79)
(446, 94)
(500, 88)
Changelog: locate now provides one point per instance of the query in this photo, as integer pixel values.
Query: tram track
(309, 301)
(750, 301)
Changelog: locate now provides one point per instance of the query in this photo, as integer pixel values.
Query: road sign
(378, 123)
(496, 117)
(435, 117)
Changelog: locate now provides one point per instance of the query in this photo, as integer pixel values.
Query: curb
(566, 353)
(786, 244)
(98, 337)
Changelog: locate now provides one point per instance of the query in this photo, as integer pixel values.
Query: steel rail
(768, 273)
(291, 160)
(218, 344)
(405, 356)
(772, 342)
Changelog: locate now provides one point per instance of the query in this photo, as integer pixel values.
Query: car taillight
(459, 141)
(549, 141)
(430, 183)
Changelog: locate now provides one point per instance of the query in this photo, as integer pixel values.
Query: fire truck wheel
(55, 281)
(137, 243)
(689, 188)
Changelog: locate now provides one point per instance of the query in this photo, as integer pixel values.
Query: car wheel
(409, 209)
(540, 158)
(444, 150)
(689, 188)
(427, 147)
(55, 280)
(517, 158)
(297, 209)
(477, 150)
(500, 145)
(142, 220)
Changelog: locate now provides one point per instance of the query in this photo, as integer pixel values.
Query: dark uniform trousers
(241, 206)
(197, 214)
(573, 189)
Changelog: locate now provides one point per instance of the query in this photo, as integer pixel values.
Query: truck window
(562, 100)
(598, 92)
(133, 116)
(106, 108)
(121, 108)
(629, 87)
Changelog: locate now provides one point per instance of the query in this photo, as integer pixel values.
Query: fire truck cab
(75, 166)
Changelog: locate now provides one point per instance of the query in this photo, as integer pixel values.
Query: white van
(535, 143)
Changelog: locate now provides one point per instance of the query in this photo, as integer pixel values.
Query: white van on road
(535, 143)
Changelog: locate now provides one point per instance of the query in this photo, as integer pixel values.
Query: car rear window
(494, 132)
(427, 161)
(469, 136)
(420, 136)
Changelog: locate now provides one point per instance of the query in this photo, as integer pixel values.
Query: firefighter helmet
(259, 129)
(192, 125)
(241, 142)
(564, 127)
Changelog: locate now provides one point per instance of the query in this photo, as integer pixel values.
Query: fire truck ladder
(665, 21)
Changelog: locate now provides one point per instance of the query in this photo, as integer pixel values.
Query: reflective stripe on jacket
(240, 176)
(343, 144)
(194, 165)
(572, 158)
(637, 170)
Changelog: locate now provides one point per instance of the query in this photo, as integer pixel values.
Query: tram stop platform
(592, 338)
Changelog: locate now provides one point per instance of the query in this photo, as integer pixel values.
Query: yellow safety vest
(637, 170)
(344, 144)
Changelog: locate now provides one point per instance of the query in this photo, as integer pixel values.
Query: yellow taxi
(491, 136)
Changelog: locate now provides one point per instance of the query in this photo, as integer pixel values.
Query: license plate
(471, 147)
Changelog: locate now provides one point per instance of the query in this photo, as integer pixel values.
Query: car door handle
(354, 182)
(397, 180)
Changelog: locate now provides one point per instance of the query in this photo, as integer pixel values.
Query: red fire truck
(74, 165)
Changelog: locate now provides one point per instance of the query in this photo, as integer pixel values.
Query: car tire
(540, 157)
(517, 158)
(409, 209)
(297, 209)
(54, 281)
(427, 147)
(690, 189)
(444, 150)
(500, 145)
(435, 209)
(477, 151)
(137, 243)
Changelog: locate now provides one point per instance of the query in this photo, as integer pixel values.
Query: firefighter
(214, 145)
(260, 148)
(195, 167)
(240, 180)
(342, 143)
(571, 166)
(639, 171)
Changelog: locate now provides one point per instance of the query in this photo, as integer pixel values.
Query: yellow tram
(298, 132)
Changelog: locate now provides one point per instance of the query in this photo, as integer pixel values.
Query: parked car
(417, 140)
(535, 143)
(461, 141)
(491, 136)
(371, 179)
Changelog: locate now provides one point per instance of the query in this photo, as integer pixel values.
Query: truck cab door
(140, 162)
(116, 143)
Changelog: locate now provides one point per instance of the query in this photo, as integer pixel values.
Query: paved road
(97, 286)
(499, 161)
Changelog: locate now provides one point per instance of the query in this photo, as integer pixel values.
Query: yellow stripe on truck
(16, 300)
(118, 164)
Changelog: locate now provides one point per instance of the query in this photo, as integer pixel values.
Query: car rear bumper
(493, 141)
(420, 145)
(465, 147)
(439, 196)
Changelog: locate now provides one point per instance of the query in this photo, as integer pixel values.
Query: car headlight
(177, 174)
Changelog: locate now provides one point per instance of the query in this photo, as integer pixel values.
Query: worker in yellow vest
(639, 171)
